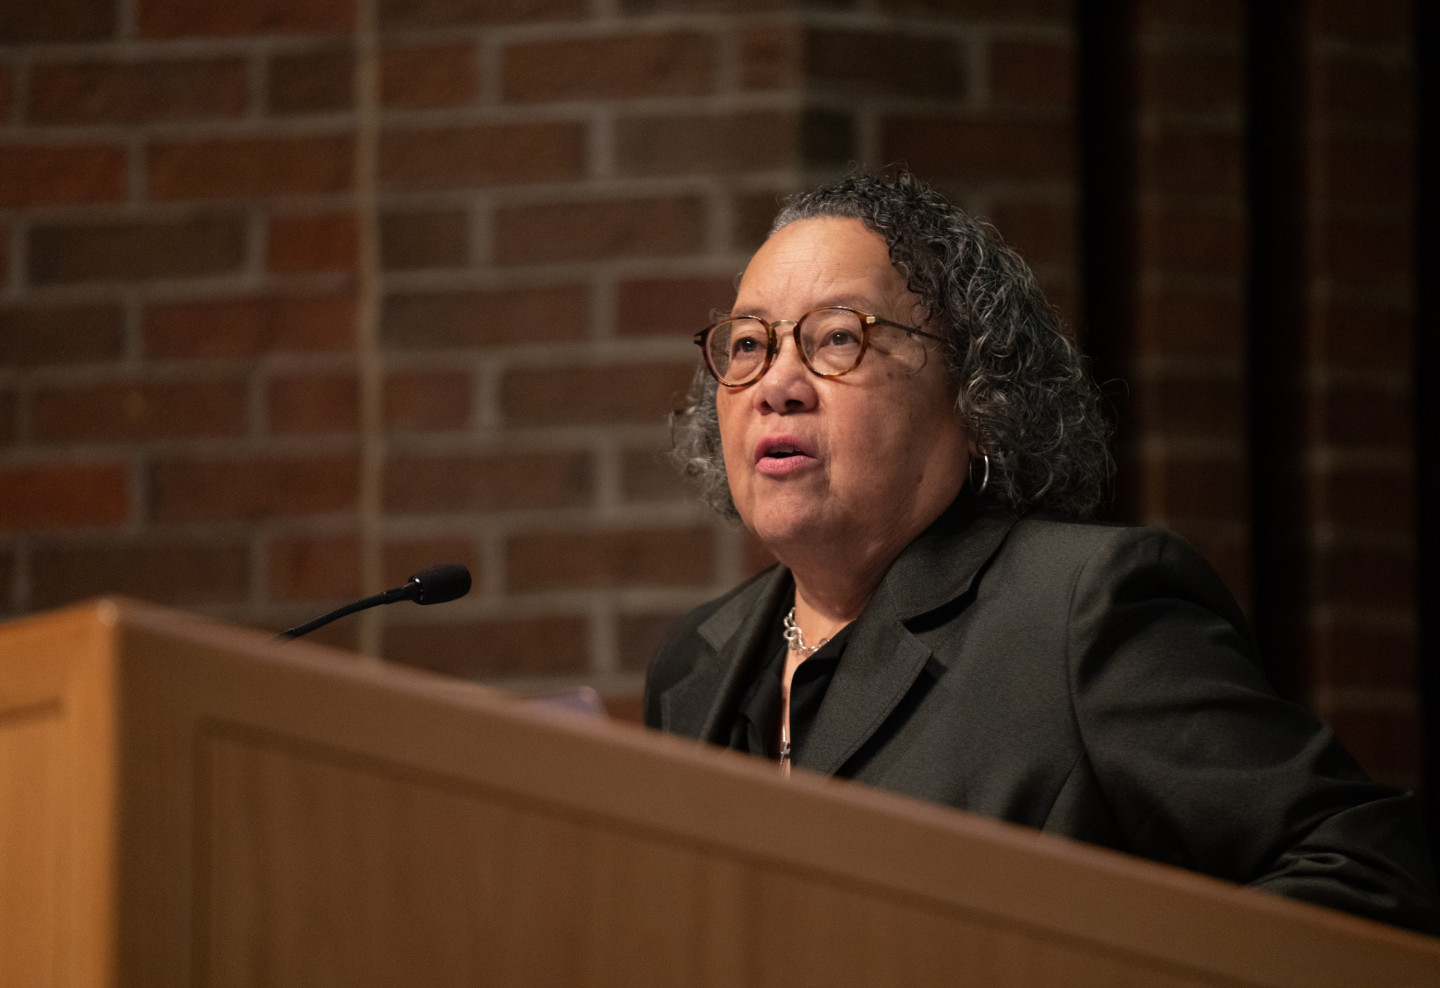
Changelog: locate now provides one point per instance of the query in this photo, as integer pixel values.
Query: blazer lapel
(702, 704)
(883, 659)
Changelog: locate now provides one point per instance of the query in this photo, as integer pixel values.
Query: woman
(892, 408)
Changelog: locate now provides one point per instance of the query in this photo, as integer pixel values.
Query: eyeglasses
(831, 340)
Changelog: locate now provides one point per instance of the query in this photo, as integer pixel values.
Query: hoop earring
(985, 480)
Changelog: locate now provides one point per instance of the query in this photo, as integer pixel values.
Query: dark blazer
(1087, 680)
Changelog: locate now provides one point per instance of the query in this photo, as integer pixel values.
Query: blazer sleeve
(1205, 766)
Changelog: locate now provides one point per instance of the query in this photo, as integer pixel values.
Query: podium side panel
(56, 800)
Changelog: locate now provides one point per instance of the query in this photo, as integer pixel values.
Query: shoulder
(1095, 567)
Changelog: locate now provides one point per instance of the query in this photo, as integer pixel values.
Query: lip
(802, 455)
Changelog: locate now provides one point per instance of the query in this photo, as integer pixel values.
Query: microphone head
(437, 584)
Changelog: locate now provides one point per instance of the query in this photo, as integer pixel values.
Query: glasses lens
(832, 339)
(736, 348)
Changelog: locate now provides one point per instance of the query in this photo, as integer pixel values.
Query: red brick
(311, 403)
(712, 6)
(424, 240)
(1193, 241)
(648, 475)
(640, 636)
(428, 76)
(1369, 576)
(1194, 81)
(136, 251)
(253, 488)
(63, 495)
(1354, 90)
(138, 92)
(485, 318)
(322, 568)
(180, 575)
(1364, 657)
(61, 20)
(957, 149)
(249, 327)
(1058, 11)
(751, 218)
(33, 336)
(883, 63)
(428, 401)
(638, 558)
(1366, 499)
(1186, 161)
(1367, 417)
(1199, 407)
(673, 307)
(678, 63)
(250, 167)
(488, 482)
(1032, 73)
(1368, 252)
(319, 81)
(7, 435)
(444, 13)
(1160, 15)
(8, 581)
(1364, 334)
(312, 243)
(302, 567)
(732, 142)
(178, 18)
(587, 231)
(772, 57)
(503, 647)
(1374, 170)
(601, 394)
(481, 154)
(1196, 323)
(61, 174)
(1213, 489)
(1377, 21)
(138, 410)
(1043, 232)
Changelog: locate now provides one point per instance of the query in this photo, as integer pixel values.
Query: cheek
(732, 436)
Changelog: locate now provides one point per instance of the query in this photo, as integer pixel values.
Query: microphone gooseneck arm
(435, 585)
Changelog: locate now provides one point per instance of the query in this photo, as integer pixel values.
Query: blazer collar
(882, 659)
(741, 634)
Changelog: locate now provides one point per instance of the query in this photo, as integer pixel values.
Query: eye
(841, 338)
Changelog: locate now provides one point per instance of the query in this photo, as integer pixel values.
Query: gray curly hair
(1023, 389)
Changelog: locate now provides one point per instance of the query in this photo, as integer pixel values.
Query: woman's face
(860, 463)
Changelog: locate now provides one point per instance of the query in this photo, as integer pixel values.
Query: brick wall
(1358, 472)
(298, 296)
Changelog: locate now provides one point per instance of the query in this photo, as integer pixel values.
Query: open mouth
(780, 455)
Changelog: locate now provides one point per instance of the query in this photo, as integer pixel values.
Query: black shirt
(756, 728)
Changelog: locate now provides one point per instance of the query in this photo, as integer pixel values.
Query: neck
(825, 603)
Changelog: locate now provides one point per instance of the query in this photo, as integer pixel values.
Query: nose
(788, 386)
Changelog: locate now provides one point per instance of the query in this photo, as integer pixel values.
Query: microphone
(434, 585)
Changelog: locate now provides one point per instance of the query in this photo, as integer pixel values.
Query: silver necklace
(796, 638)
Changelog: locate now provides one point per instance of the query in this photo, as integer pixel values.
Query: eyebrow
(848, 301)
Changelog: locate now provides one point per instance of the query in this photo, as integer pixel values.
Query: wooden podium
(184, 803)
